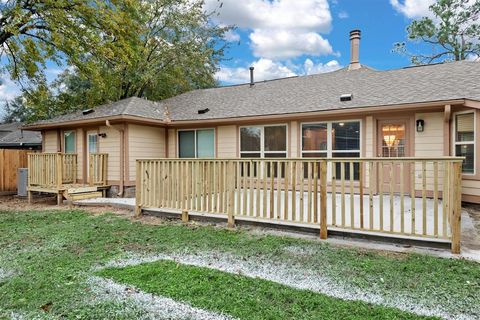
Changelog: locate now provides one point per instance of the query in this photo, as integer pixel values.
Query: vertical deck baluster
(402, 197)
(352, 197)
(334, 193)
(412, 206)
(302, 189)
(294, 190)
(272, 190)
(309, 188)
(435, 198)
(315, 192)
(342, 180)
(285, 187)
(424, 198)
(392, 184)
(279, 189)
(380, 195)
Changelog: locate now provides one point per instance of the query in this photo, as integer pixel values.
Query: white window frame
(474, 142)
(195, 141)
(75, 143)
(262, 140)
(329, 150)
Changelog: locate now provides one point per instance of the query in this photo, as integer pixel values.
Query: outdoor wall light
(103, 135)
(420, 125)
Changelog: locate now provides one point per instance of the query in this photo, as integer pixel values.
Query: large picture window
(196, 143)
(69, 142)
(465, 140)
(338, 139)
(263, 141)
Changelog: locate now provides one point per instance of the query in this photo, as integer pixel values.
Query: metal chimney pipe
(354, 50)
(252, 82)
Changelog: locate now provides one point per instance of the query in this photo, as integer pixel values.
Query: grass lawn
(46, 258)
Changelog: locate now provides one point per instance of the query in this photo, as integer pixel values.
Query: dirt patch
(474, 213)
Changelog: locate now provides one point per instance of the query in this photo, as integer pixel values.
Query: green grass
(52, 253)
(243, 297)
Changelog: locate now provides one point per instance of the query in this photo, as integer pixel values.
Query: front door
(393, 142)
(92, 147)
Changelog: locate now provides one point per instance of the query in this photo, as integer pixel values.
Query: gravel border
(156, 307)
(290, 275)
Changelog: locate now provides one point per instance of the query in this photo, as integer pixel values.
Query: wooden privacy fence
(10, 161)
(98, 169)
(413, 197)
(51, 170)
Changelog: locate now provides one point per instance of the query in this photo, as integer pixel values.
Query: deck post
(231, 193)
(455, 221)
(185, 217)
(59, 172)
(138, 190)
(323, 199)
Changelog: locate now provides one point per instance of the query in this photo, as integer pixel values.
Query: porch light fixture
(102, 135)
(420, 125)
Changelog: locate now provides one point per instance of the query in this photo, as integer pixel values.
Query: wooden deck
(56, 173)
(398, 197)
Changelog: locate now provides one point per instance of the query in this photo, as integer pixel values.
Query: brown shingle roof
(439, 82)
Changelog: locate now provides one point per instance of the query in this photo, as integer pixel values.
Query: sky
(283, 38)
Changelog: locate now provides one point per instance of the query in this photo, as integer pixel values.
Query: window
(69, 142)
(263, 141)
(465, 140)
(196, 143)
(333, 140)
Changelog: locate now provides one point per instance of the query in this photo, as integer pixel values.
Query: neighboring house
(357, 111)
(12, 136)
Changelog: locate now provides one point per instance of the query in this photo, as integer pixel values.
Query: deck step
(83, 196)
(81, 189)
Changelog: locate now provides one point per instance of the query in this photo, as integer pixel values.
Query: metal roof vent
(203, 111)
(87, 111)
(346, 97)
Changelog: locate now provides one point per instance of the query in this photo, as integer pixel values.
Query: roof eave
(99, 120)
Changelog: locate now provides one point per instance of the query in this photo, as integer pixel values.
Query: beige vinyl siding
(429, 143)
(79, 151)
(50, 141)
(111, 145)
(144, 142)
(172, 140)
(226, 141)
(368, 147)
(294, 153)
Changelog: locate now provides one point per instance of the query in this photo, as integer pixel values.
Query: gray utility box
(22, 182)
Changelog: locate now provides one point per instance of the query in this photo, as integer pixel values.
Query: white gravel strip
(287, 274)
(156, 307)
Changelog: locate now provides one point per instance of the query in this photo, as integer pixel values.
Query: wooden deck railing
(97, 171)
(415, 197)
(51, 170)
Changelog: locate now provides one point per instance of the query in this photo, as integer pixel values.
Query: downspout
(122, 156)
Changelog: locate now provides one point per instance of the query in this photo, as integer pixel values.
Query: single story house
(357, 111)
(12, 136)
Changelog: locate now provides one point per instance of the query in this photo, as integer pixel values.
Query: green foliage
(33, 32)
(153, 49)
(453, 32)
(52, 253)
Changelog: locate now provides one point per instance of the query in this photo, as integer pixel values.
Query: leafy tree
(453, 32)
(175, 48)
(33, 32)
